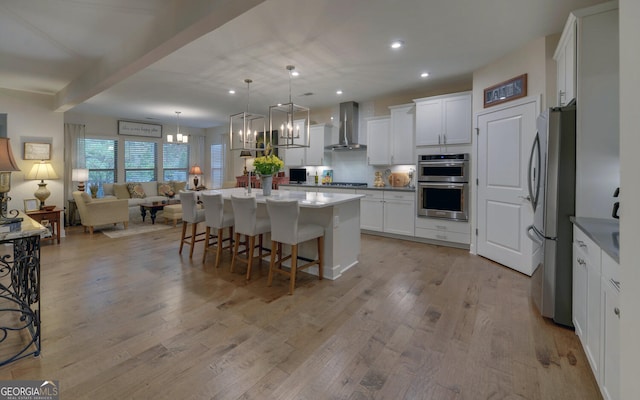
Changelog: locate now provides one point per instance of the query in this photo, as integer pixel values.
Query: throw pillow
(121, 191)
(178, 186)
(164, 188)
(136, 191)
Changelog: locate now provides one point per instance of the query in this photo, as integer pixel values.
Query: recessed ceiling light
(339, 92)
(231, 91)
(397, 44)
(424, 75)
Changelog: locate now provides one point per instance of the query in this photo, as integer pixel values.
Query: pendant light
(180, 138)
(290, 121)
(247, 130)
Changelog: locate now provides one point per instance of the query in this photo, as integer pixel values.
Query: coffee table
(154, 207)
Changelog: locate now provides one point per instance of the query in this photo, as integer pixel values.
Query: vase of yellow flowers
(267, 166)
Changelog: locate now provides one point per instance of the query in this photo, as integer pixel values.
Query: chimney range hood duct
(348, 132)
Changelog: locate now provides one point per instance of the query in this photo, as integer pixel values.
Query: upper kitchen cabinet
(401, 132)
(442, 120)
(565, 57)
(378, 141)
(312, 155)
(319, 135)
(597, 108)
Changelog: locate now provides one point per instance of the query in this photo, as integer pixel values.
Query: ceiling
(146, 59)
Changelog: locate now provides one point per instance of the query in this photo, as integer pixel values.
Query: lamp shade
(245, 154)
(195, 170)
(7, 162)
(42, 170)
(79, 174)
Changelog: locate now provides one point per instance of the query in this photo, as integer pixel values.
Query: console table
(20, 291)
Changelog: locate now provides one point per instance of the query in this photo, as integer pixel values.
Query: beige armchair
(95, 212)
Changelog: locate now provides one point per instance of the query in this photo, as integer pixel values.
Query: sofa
(137, 193)
(96, 212)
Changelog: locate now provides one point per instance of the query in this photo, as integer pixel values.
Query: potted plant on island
(267, 166)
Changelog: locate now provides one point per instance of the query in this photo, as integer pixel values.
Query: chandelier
(180, 138)
(290, 121)
(247, 130)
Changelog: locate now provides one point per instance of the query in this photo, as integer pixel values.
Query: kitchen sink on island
(339, 213)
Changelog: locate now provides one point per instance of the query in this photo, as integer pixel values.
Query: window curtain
(73, 155)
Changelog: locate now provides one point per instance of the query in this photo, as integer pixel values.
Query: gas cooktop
(347, 184)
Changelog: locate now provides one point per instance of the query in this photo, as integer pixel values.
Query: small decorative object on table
(267, 166)
(94, 190)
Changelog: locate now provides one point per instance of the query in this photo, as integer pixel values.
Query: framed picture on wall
(37, 151)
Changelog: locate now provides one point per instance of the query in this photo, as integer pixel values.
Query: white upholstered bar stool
(249, 224)
(191, 214)
(217, 219)
(286, 229)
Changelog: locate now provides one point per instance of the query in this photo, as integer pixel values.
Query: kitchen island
(338, 213)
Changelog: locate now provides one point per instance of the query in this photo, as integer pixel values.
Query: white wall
(630, 183)
(29, 116)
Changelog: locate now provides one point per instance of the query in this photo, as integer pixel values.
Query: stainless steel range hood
(348, 133)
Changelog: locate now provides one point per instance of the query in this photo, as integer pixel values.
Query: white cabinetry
(565, 57)
(610, 306)
(312, 155)
(378, 141)
(442, 229)
(388, 211)
(442, 120)
(402, 128)
(399, 212)
(596, 311)
(371, 210)
(319, 135)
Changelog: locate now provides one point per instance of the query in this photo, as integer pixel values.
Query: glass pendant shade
(179, 138)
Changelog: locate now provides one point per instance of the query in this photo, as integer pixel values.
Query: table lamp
(80, 175)
(7, 165)
(195, 171)
(42, 170)
(245, 154)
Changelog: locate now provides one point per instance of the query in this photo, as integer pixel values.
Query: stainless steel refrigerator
(552, 183)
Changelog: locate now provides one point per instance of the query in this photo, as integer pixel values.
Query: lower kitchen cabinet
(596, 311)
(388, 211)
(610, 334)
(399, 212)
(442, 229)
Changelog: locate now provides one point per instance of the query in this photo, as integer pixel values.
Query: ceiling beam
(180, 23)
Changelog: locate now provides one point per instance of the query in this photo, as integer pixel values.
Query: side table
(53, 217)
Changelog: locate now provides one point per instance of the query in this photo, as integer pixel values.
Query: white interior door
(503, 211)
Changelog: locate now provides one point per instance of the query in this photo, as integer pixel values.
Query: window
(100, 159)
(140, 161)
(217, 165)
(175, 162)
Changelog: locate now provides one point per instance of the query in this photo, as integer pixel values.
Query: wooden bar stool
(215, 217)
(247, 223)
(190, 215)
(286, 229)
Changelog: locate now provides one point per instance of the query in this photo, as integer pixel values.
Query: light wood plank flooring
(131, 319)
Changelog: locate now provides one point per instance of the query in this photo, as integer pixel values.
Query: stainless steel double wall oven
(443, 186)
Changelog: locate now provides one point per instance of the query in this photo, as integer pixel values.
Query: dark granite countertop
(605, 232)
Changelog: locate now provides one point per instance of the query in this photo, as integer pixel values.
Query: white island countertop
(337, 213)
(306, 199)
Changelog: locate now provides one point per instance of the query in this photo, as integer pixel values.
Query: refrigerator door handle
(539, 234)
(531, 174)
(535, 236)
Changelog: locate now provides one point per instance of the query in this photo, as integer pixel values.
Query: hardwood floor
(131, 319)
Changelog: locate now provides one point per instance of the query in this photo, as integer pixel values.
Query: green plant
(267, 165)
